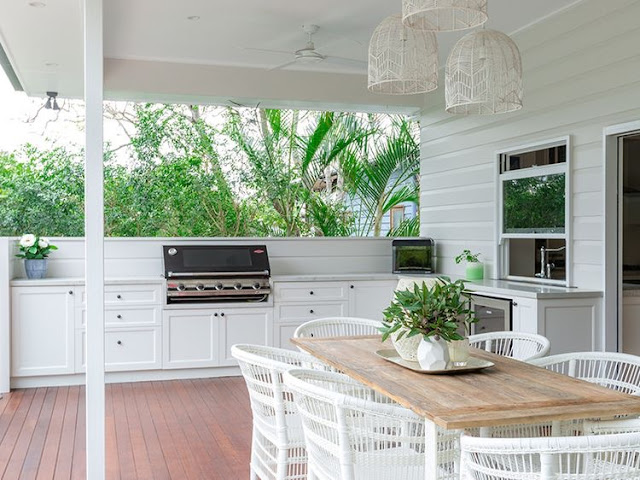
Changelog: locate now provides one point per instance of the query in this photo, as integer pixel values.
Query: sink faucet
(545, 265)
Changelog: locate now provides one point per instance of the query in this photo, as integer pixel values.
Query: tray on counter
(473, 365)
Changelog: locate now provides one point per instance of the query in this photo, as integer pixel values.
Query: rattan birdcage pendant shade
(483, 75)
(402, 61)
(444, 15)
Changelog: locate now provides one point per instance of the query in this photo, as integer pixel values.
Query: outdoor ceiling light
(483, 75)
(444, 15)
(52, 103)
(402, 60)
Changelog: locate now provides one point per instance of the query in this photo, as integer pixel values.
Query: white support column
(5, 314)
(94, 238)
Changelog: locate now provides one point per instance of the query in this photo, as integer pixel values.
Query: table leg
(431, 450)
(442, 453)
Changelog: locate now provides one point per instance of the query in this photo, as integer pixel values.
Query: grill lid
(188, 261)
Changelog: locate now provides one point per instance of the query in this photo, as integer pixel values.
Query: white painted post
(5, 315)
(94, 238)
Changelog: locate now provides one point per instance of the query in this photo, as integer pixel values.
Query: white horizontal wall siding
(287, 256)
(581, 74)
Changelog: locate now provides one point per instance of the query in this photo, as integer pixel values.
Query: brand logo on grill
(258, 250)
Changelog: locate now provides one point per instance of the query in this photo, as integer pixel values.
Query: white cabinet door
(524, 315)
(42, 331)
(368, 299)
(190, 339)
(125, 349)
(284, 333)
(244, 325)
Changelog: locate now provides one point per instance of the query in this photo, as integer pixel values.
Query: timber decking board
(182, 430)
(511, 392)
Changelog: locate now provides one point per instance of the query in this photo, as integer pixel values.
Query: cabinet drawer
(121, 317)
(131, 295)
(310, 311)
(304, 292)
(137, 349)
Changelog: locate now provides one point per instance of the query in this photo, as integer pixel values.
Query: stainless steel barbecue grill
(216, 274)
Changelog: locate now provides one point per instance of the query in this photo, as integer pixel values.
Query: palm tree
(386, 177)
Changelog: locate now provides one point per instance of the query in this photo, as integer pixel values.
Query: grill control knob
(256, 286)
(238, 286)
(218, 286)
(200, 287)
(181, 287)
(172, 251)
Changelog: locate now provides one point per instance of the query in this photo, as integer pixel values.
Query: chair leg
(282, 465)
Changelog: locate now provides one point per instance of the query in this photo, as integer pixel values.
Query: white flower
(43, 242)
(28, 240)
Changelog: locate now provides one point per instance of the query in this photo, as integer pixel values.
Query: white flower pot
(407, 347)
(433, 354)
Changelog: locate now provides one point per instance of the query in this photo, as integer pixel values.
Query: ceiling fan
(308, 54)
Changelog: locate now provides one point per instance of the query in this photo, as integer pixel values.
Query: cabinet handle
(119, 342)
(118, 316)
(70, 292)
(515, 304)
(352, 286)
(215, 314)
(310, 311)
(311, 292)
(119, 297)
(222, 314)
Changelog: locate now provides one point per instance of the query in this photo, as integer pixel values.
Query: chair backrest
(271, 401)
(350, 428)
(617, 371)
(338, 327)
(604, 427)
(592, 457)
(518, 345)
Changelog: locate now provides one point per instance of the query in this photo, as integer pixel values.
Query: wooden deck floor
(186, 429)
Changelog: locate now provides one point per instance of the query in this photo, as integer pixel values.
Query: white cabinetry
(570, 323)
(299, 302)
(42, 331)
(133, 328)
(203, 337)
(368, 299)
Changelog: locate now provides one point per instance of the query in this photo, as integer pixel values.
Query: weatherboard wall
(581, 74)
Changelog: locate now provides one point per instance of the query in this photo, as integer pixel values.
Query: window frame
(502, 244)
(396, 208)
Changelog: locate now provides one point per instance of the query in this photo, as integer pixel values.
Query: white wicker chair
(338, 327)
(518, 345)
(593, 457)
(277, 447)
(352, 432)
(617, 371)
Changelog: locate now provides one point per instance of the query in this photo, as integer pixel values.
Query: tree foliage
(206, 171)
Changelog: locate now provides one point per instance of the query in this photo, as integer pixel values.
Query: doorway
(629, 241)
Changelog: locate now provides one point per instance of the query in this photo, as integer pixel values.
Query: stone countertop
(331, 277)
(79, 281)
(486, 286)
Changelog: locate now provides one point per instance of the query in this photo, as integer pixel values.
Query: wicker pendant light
(483, 74)
(444, 15)
(402, 61)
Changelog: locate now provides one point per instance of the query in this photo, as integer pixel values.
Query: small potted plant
(474, 268)
(35, 251)
(434, 315)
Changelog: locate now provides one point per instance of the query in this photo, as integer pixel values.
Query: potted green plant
(434, 315)
(474, 267)
(35, 251)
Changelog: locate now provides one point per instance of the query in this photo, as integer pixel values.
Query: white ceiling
(44, 44)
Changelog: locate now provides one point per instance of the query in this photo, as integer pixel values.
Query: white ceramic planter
(433, 354)
(407, 347)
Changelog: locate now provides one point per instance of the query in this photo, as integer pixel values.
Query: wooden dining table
(509, 393)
